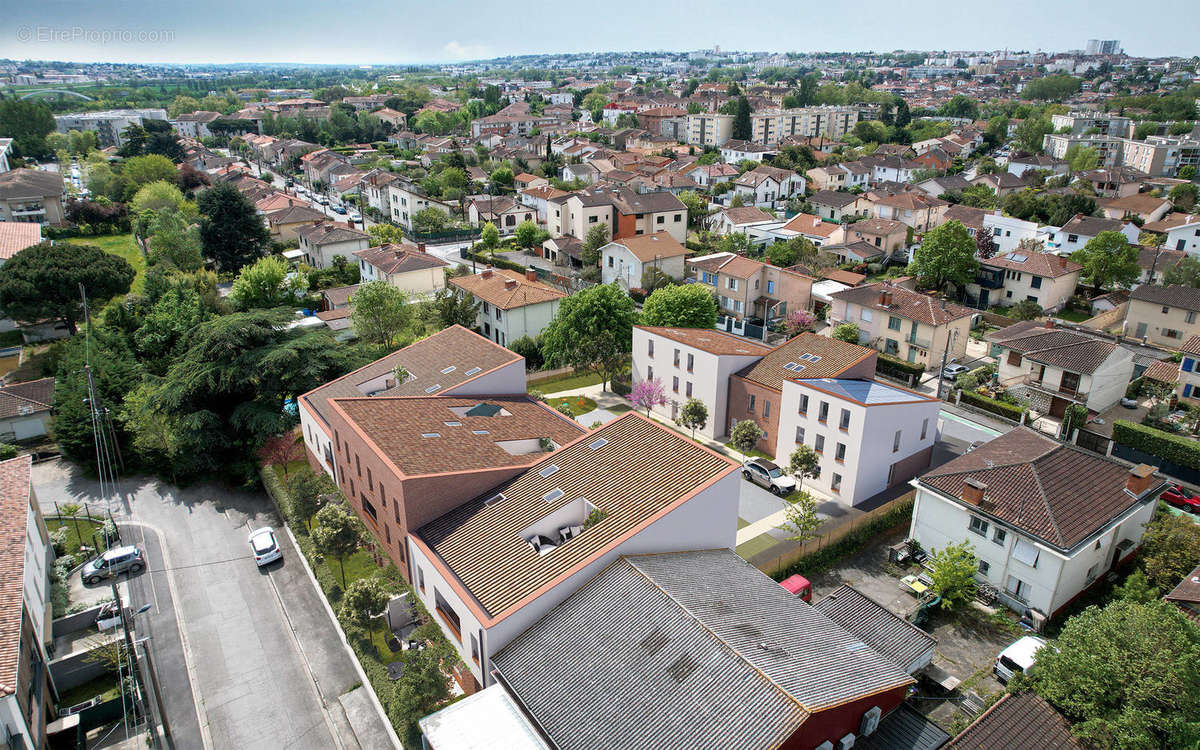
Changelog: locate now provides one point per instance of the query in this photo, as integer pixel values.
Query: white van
(1018, 657)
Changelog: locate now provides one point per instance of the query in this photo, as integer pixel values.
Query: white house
(1044, 278)
(321, 242)
(1182, 231)
(1075, 233)
(407, 201)
(734, 152)
(511, 304)
(764, 186)
(1007, 232)
(406, 267)
(869, 435)
(693, 363)
(26, 409)
(1090, 515)
(624, 261)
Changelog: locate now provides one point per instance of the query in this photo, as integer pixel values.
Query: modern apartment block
(709, 129)
(1156, 156)
(107, 124)
(1100, 122)
(769, 127)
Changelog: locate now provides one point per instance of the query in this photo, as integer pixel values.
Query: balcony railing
(1033, 381)
(917, 341)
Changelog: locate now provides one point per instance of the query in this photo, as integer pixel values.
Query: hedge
(1134, 389)
(1178, 450)
(899, 367)
(979, 401)
(497, 262)
(824, 558)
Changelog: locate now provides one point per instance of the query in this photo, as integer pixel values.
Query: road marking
(153, 588)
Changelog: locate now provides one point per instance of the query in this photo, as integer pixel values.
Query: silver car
(113, 563)
(766, 474)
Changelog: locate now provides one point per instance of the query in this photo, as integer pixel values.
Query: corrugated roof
(878, 627)
(906, 728)
(835, 357)
(642, 470)
(1018, 721)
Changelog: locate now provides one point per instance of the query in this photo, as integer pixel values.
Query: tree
(979, 196)
(528, 348)
(305, 490)
(693, 415)
(1108, 260)
(680, 306)
(231, 229)
(798, 321)
(744, 436)
(267, 283)
(143, 170)
(1030, 132)
(43, 281)
(985, 246)
(1184, 273)
(804, 462)
(27, 122)
(1170, 549)
(449, 308)
(697, 207)
(1126, 676)
(385, 234)
(1081, 159)
(953, 570)
(336, 535)
(157, 196)
(363, 601)
(946, 256)
(593, 329)
(736, 202)
(1183, 196)
(281, 450)
(802, 518)
(742, 130)
(1026, 309)
(159, 339)
(174, 242)
(489, 237)
(527, 234)
(1137, 588)
(116, 372)
(647, 394)
(847, 332)
(1187, 172)
(379, 312)
(903, 115)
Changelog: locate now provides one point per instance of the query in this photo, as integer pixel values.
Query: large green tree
(1126, 676)
(337, 534)
(43, 281)
(1108, 260)
(159, 340)
(592, 330)
(380, 312)
(27, 122)
(267, 284)
(1030, 132)
(1171, 548)
(141, 171)
(742, 129)
(681, 306)
(115, 370)
(232, 231)
(448, 307)
(946, 256)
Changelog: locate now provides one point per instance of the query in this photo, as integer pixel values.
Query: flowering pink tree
(797, 321)
(647, 394)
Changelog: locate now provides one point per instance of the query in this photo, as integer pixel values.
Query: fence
(434, 238)
(740, 328)
(787, 553)
(1109, 318)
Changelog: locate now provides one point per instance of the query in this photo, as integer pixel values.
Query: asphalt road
(264, 660)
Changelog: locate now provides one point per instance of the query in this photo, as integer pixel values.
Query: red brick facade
(834, 723)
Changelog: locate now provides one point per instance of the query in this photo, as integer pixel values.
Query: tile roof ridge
(1058, 536)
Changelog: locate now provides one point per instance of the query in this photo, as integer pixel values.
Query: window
(357, 466)
(421, 579)
(678, 218)
(894, 323)
(999, 535)
(799, 434)
(1165, 309)
(1188, 364)
(839, 453)
(650, 348)
(368, 508)
(677, 358)
(1171, 333)
(803, 404)
(370, 480)
(691, 362)
(866, 315)
(1072, 238)
(1036, 282)
(675, 383)
(475, 647)
(592, 219)
(978, 525)
(984, 567)
(771, 289)
(687, 389)
(1014, 359)
(610, 261)
(896, 441)
(751, 407)
(844, 422)
(924, 427)
(835, 483)
(649, 373)
(1026, 553)
(660, 220)
(819, 445)
(1016, 588)
(823, 412)
(732, 284)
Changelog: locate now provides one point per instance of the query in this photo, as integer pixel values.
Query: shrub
(979, 401)
(830, 554)
(1178, 450)
(898, 368)
(621, 387)
(1134, 389)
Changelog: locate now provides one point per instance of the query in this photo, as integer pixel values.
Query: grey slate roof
(689, 650)
(881, 629)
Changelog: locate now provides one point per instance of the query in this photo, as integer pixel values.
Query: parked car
(1179, 497)
(1129, 403)
(1018, 657)
(341, 210)
(952, 371)
(265, 546)
(766, 474)
(113, 563)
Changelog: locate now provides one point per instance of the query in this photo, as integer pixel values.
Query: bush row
(897, 367)
(496, 262)
(979, 401)
(1178, 450)
(824, 558)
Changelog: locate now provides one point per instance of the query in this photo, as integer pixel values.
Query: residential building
(550, 522)
(839, 206)
(30, 195)
(26, 409)
(1054, 367)
(1115, 182)
(903, 323)
(5, 147)
(709, 129)
(1186, 596)
(1081, 123)
(869, 435)
(1019, 165)
(771, 126)
(503, 212)
(285, 224)
(1161, 156)
(748, 288)
(768, 186)
(1163, 315)
(1092, 512)
(812, 228)
(15, 236)
(195, 125)
(1187, 379)
(740, 219)
(538, 198)
(734, 152)
(707, 175)
(322, 242)
(625, 213)
(407, 200)
(887, 236)
(1075, 233)
(1007, 232)
(626, 261)
(406, 267)
(511, 304)
(1009, 278)
(1142, 206)
(27, 694)
(451, 362)
(1182, 232)
(108, 125)
(758, 393)
(1108, 148)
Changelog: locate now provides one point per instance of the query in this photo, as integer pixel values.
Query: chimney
(420, 247)
(885, 298)
(973, 491)
(1141, 477)
(530, 274)
(487, 273)
(510, 284)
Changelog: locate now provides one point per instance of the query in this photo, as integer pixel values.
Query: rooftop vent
(654, 642)
(547, 471)
(449, 370)
(553, 495)
(431, 434)
(433, 388)
(598, 443)
(682, 668)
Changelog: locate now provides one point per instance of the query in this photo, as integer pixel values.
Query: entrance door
(1141, 330)
(1058, 406)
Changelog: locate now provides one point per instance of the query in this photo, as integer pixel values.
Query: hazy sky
(402, 31)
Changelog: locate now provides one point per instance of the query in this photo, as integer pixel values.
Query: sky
(436, 31)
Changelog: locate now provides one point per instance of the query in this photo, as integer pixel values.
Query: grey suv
(113, 563)
(766, 474)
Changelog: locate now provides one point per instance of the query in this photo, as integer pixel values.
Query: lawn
(742, 523)
(124, 246)
(756, 453)
(566, 383)
(760, 543)
(576, 404)
(79, 531)
(1074, 316)
(104, 686)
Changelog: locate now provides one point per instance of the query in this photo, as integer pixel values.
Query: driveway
(264, 660)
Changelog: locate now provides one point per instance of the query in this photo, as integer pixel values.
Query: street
(264, 660)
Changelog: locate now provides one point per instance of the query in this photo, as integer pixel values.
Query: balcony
(1033, 381)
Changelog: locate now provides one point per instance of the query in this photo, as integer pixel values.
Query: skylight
(790, 366)
(430, 434)
(547, 471)
(449, 370)
(473, 371)
(553, 495)
(452, 424)
(433, 388)
(494, 499)
(598, 443)
(1018, 258)
(479, 432)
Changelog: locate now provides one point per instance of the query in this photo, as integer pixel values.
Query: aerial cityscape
(575, 384)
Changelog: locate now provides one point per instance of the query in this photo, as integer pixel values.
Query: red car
(1179, 497)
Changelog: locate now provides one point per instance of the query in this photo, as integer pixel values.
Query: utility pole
(945, 353)
(162, 711)
(139, 689)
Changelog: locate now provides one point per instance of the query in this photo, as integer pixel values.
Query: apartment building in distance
(108, 124)
(1102, 123)
(904, 323)
(769, 127)
(709, 129)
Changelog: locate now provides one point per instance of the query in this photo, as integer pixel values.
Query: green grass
(566, 383)
(760, 543)
(742, 523)
(122, 245)
(756, 453)
(104, 686)
(358, 565)
(573, 403)
(77, 536)
(1075, 316)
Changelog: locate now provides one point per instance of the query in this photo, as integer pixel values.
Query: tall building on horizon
(1103, 46)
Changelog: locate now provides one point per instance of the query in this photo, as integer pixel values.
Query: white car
(1020, 656)
(265, 546)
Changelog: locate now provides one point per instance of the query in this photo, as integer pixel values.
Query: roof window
(431, 434)
(548, 471)
(498, 497)
(433, 388)
(452, 424)
(553, 495)
(474, 371)
(449, 370)
(598, 443)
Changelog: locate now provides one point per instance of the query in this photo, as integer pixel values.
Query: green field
(566, 383)
(577, 404)
(124, 246)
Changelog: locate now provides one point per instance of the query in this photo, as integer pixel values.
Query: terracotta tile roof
(425, 361)
(545, 192)
(833, 198)
(835, 358)
(873, 227)
(329, 232)
(1187, 595)
(492, 287)
(711, 341)
(1018, 721)
(809, 224)
(399, 258)
(1057, 493)
(968, 216)
(1164, 371)
(399, 426)
(339, 296)
(641, 472)
(647, 247)
(24, 399)
(1057, 347)
(1140, 203)
(1191, 346)
(905, 304)
(30, 183)
(1173, 296)
(1038, 264)
(14, 511)
(1159, 258)
(746, 215)
(1172, 220)
(1090, 226)
(15, 236)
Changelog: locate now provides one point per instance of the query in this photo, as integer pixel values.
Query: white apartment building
(693, 363)
(1078, 231)
(406, 201)
(1092, 512)
(709, 129)
(1007, 231)
(869, 435)
(769, 127)
(1103, 123)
